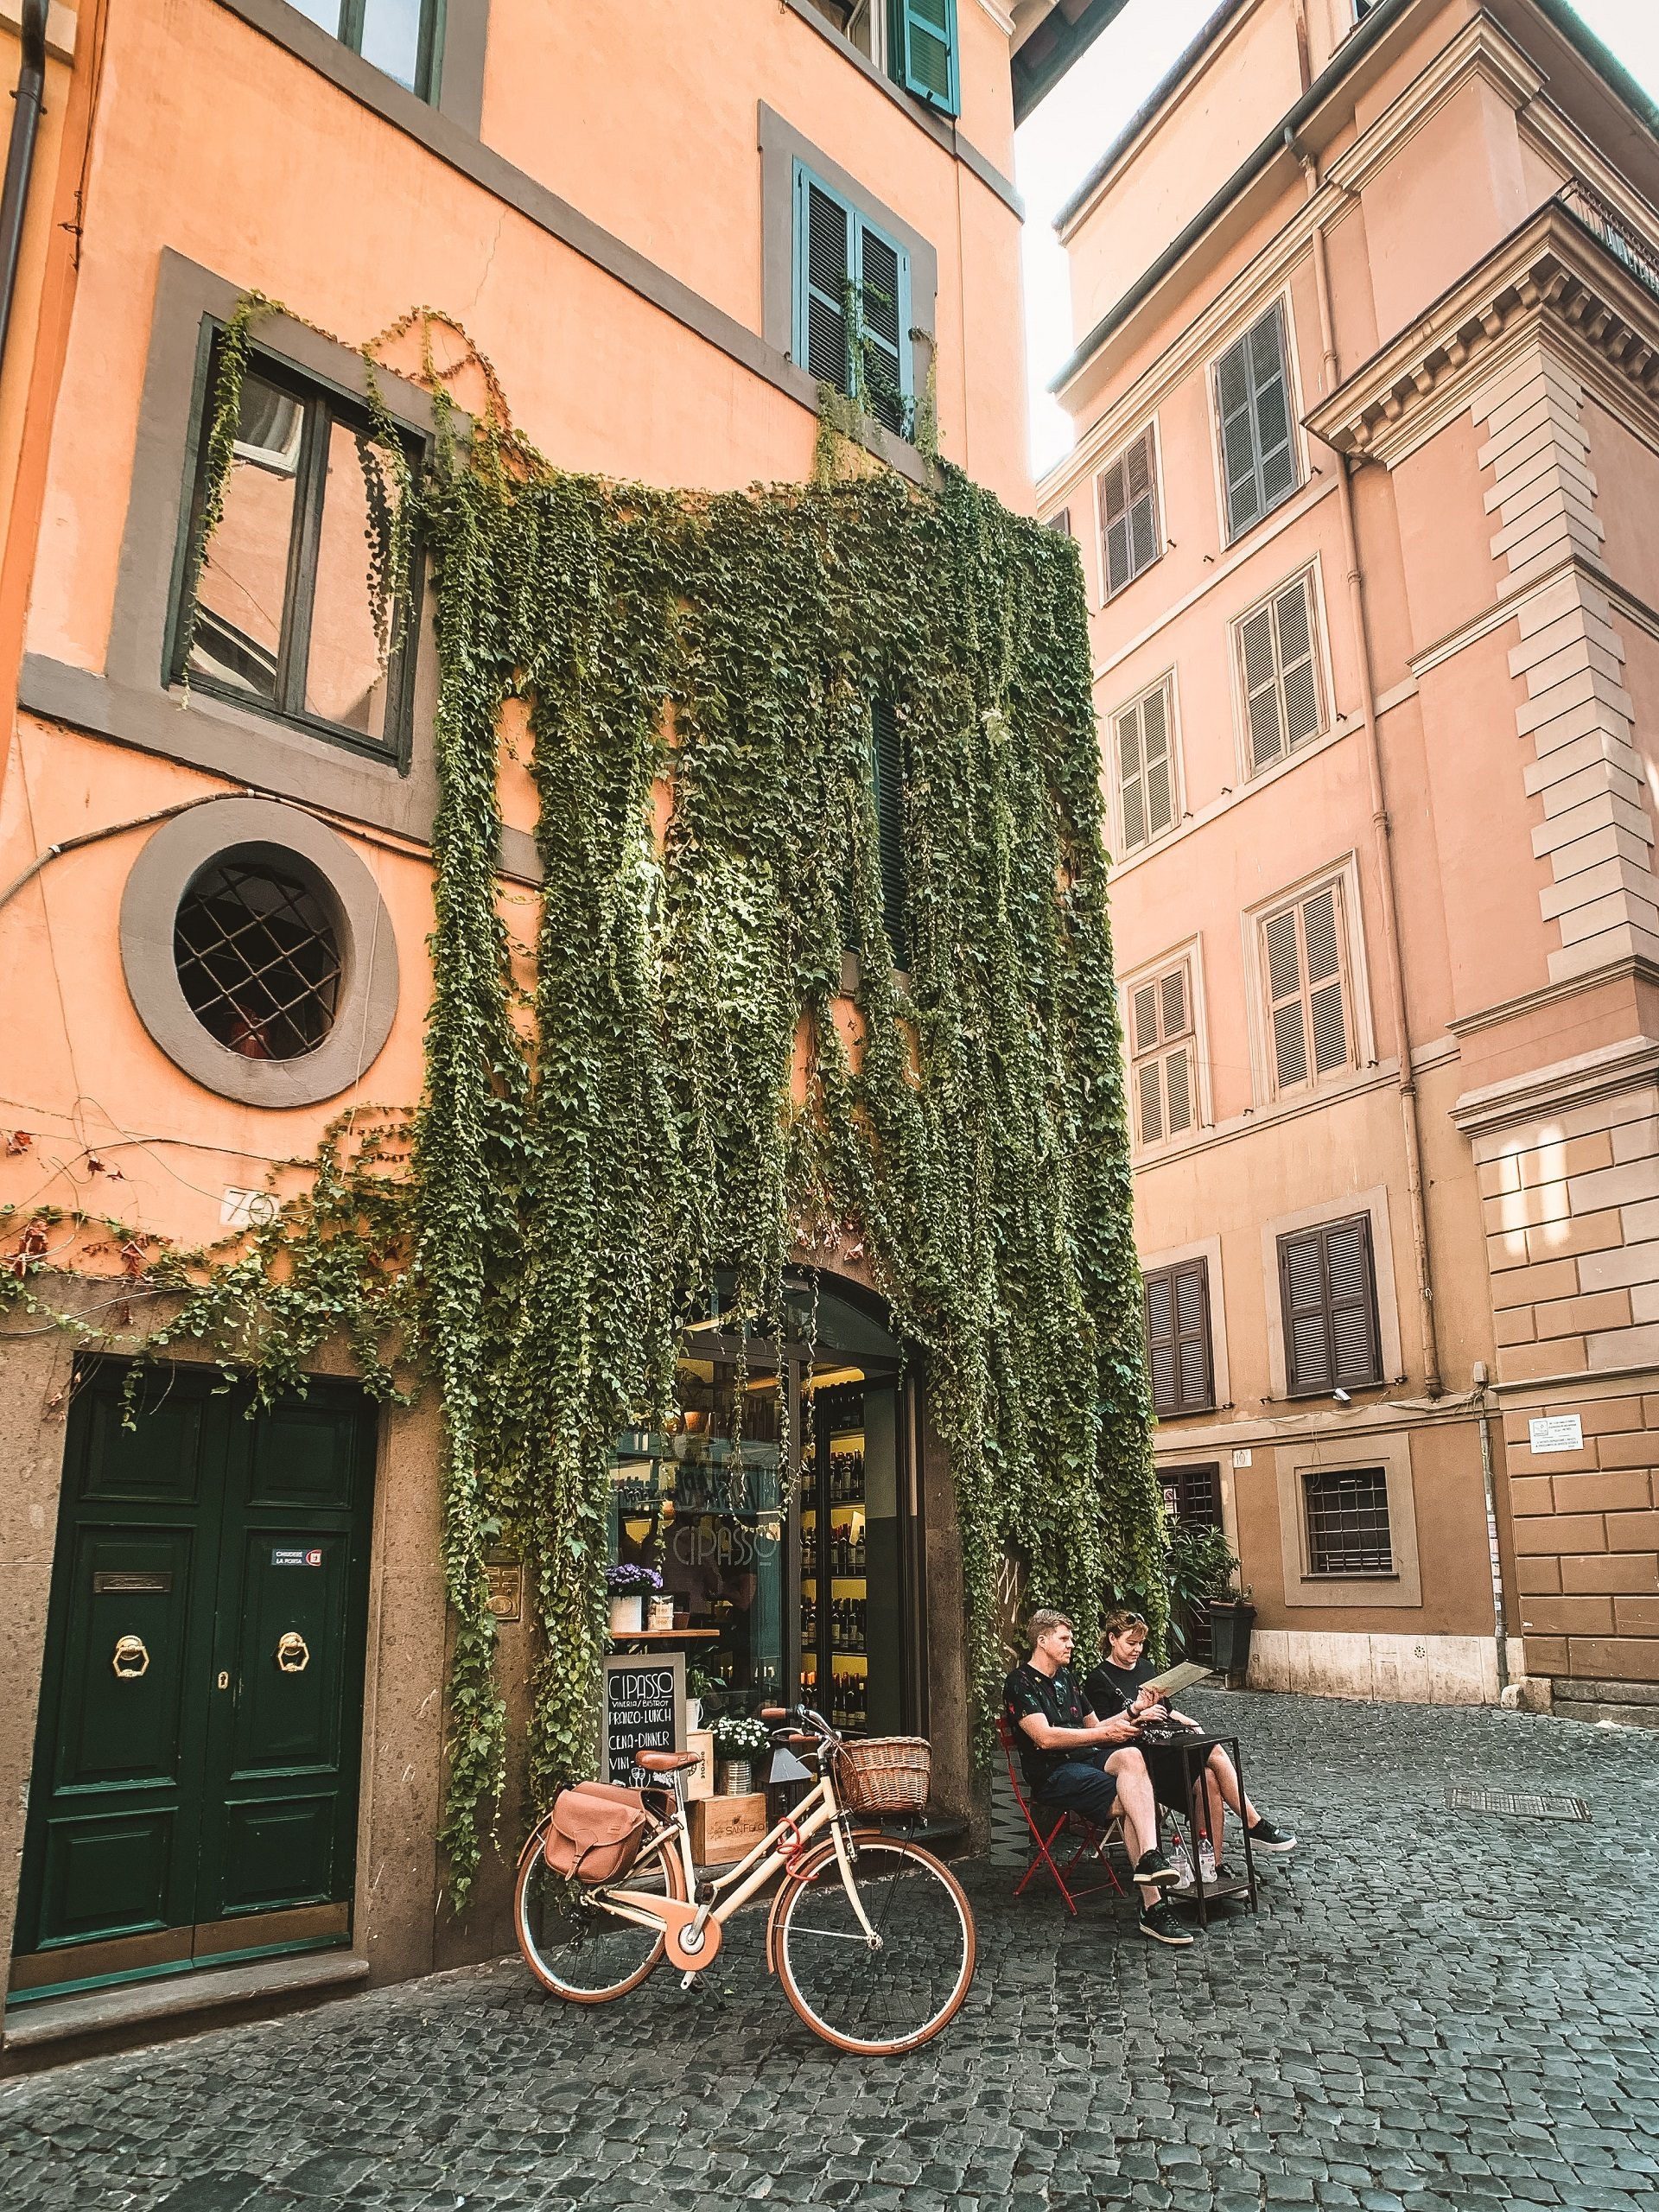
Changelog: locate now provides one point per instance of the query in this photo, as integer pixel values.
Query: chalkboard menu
(645, 1707)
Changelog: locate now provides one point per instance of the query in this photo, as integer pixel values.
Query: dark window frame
(429, 53)
(1317, 1531)
(325, 403)
(1173, 1405)
(1298, 1382)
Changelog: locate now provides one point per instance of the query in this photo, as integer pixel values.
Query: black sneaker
(1265, 1837)
(1155, 1873)
(1158, 1922)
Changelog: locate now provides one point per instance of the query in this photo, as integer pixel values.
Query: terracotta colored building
(215, 897)
(1366, 470)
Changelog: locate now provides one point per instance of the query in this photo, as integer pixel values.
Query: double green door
(195, 1786)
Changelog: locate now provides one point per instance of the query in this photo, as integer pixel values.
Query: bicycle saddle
(666, 1762)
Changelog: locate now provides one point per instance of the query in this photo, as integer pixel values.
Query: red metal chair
(1095, 1841)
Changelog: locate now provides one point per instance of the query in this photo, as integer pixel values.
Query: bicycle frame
(687, 1927)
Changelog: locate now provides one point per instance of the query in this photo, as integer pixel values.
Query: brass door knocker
(292, 1657)
(131, 1659)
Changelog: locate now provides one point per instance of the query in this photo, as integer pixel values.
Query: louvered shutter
(1253, 404)
(887, 769)
(1261, 688)
(1130, 784)
(1143, 503)
(823, 260)
(1061, 522)
(1160, 1012)
(1178, 1338)
(1115, 526)
(1298, 681)
(1160, 783)
(1285, 1015)
(1128, 494)
(922, 41)
(1327, 1015)
(1328, 1287)
(884, 312)
(1149, 1081)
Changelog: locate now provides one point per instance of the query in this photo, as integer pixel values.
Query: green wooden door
(194, 1788)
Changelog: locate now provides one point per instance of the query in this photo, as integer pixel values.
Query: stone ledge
(136, 2012)
(1584, 1690)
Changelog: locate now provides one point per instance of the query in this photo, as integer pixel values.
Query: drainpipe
(1500, 1622)
(20, 155)
(1380, 826)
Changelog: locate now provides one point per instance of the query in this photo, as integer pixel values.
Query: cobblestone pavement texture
(1434, 2011)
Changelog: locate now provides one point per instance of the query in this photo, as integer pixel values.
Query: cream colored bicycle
(872, 1936)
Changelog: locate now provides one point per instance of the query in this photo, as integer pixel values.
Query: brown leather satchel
(595, 1831)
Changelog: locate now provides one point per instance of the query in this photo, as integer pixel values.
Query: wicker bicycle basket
(885, 1773)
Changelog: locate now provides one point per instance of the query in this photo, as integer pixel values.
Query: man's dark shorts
(1082, 1785)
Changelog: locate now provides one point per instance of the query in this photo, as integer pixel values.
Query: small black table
(1194, 1749)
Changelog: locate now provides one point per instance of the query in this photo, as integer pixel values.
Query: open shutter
(1142, 489)
(1327, 1012)
(1284, 1017)
(1299, 685)
(1155, 740)
(1275, 458)
(922, 41)
(1115, 525)
(823, 273)
(1233, 400)
(1130, 784)
(887, 769)
(1261, 688)
(883, 280)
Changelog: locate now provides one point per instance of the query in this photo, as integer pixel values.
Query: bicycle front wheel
(893, 1993)
(572, 1945)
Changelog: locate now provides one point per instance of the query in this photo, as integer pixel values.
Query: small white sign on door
(1556, 1432)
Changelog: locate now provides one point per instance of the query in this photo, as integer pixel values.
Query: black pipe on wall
(20, 155)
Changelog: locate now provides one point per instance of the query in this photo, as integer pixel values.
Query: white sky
(1064, 138)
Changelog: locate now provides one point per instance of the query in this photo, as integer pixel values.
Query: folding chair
(1095, 1841)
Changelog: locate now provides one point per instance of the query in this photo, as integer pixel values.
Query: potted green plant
(699, 1684)
(629, 1585)
(738, 1743)
(1202, 1564)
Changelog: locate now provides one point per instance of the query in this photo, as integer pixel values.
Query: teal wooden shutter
(884, 331)
(824, 271)
(888, 772)
(922, 50)
(1253, 401)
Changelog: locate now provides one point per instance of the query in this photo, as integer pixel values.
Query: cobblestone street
(1436, 2011)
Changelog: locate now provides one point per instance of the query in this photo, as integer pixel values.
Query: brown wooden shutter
(1327, 1285)
(1178, 1339)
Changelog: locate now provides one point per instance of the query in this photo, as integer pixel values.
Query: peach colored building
(622, 225)
(1366, 470)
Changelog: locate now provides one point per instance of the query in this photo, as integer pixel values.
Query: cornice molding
(1632, 969)
(1601, 1074)
(1551, 275)
(1479, 50)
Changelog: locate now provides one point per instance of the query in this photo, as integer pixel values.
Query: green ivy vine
(584, 1168)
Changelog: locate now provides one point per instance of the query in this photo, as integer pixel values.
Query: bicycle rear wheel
(572, 1945)
(899, 1991)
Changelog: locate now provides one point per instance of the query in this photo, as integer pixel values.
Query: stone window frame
(135, 702)
(1188, 952)
(1266, 1097)
(171, 860)
(1373, 1202)
(1402, 1590)
(460, 39)
(781, 148)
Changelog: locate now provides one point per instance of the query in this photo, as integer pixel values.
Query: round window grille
(258, 959)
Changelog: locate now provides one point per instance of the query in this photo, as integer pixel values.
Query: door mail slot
(126, 1583)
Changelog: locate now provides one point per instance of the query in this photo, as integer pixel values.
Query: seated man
(1118, 1685)
(1076, 1763)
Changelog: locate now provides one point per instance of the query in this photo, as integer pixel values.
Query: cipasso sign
(644, 1710)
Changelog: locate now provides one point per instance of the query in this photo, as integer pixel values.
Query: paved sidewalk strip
(1434, 2011)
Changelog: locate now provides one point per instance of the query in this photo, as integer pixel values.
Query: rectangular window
(1128, 494)
(1347, 1512)
(399, 36)
(1309, 1008)
(1192, 1494)
(1161, 1046)
(1145, 767)
(851, 304)
(1327, 1288)
(1178, 1339)
(1258, 448)
(1278, 661)
(922, 51)
(286, 614)
(1062, 522)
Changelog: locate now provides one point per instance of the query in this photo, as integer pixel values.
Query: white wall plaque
(1556, 1432)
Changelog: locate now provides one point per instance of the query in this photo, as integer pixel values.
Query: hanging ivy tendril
(677, 1102)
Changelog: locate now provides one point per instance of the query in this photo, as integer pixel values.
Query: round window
(258, 959)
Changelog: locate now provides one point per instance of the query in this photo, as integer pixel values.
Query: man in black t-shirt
(1118, 1685)
(1074, 1763)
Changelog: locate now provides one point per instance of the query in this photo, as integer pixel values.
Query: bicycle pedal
(686, 1981)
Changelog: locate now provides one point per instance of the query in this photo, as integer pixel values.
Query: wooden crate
(700, 1781)
(726, 1829)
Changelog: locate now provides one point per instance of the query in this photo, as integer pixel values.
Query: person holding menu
(1122, 1683)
